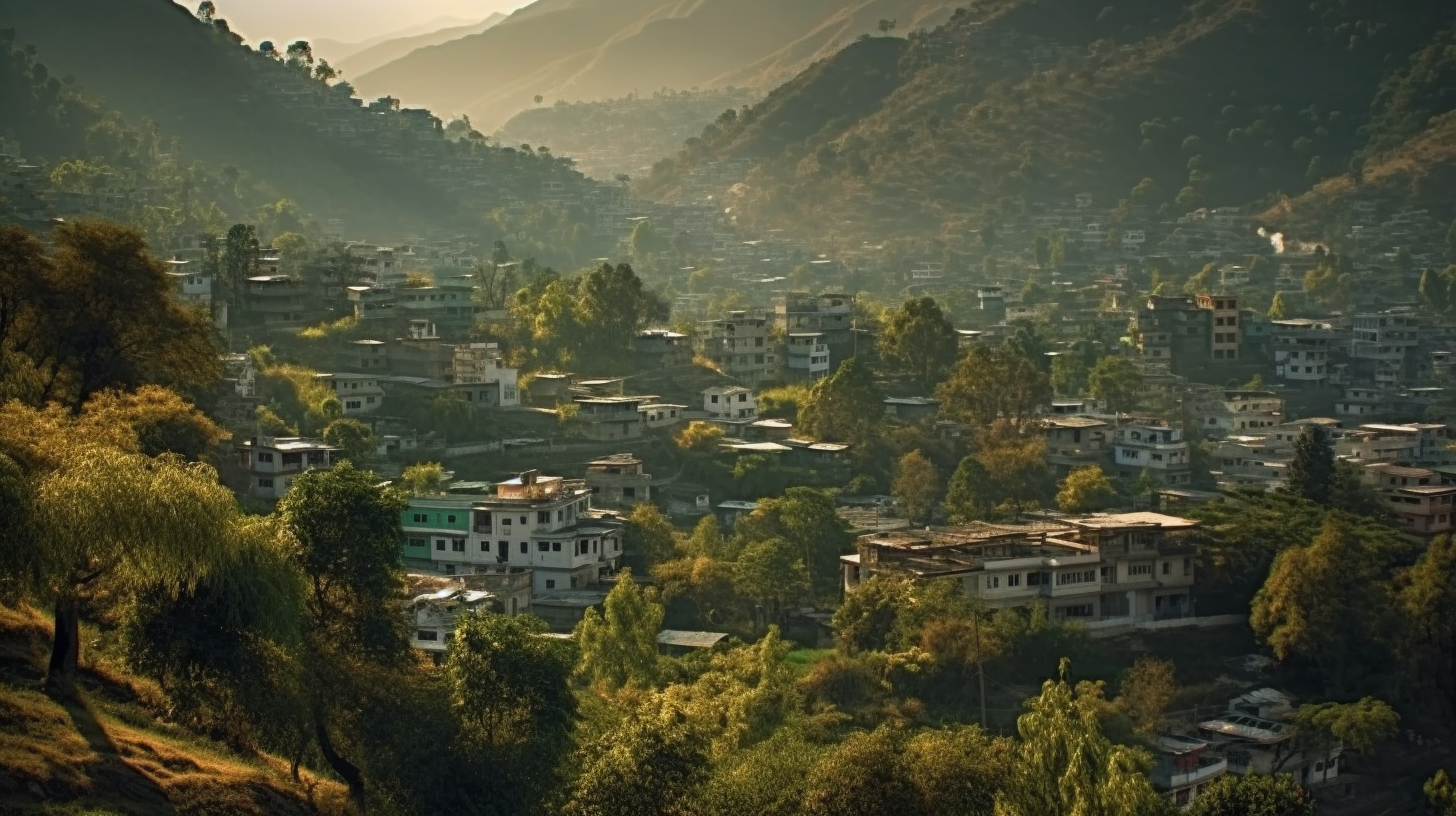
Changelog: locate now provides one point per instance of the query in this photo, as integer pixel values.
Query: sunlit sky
(345, 20)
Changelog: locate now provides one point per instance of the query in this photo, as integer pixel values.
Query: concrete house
(273, 462)
(618, 481)
(730, 402)
(360, 394)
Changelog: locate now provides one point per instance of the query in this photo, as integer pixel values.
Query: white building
(730, 402)
(483, 364)
(274, 462)
(1240, 412)
(807, 356)
(545, 524)
(360, 394)
(189, 283)
(1157, 450)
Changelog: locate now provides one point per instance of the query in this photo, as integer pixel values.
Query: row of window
(580, 547)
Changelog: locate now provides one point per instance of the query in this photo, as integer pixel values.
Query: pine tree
(1312, 471)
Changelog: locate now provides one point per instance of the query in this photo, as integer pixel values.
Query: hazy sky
(345, 20)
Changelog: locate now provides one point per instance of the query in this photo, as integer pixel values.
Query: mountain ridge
(590, 49)
(386, 51)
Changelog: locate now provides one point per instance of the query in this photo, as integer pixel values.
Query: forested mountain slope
(231, 106)
(598, 49)
(1177, 105)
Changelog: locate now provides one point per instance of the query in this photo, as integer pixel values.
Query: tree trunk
(347, 771)
(65, 649)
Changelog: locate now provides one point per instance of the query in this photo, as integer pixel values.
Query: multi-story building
(1385, 343)
(1075, 442)
(1157, 450)
(730, 402)
(1255, 743)
(1227, 336)
(1414, 444)
(359, 394)
(189, 283)
(1251, 461)
(1418, 497)
(274, 462)
(1132, 565)
(662, 348)
(542, 523)
(612, 418)
(807, 356)
(618, 481)
(740, 346)
(1184, 767)
(483, 364)
(1302, 352)
(364, 356)
(1241, 412)
(276, 302)
(1174, 335)
(372, 302)
(830, 315)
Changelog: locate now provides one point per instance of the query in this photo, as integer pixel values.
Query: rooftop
(1108, 521)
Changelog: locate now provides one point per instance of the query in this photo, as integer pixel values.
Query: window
(993, 582)
(352, 405)
(1167, 567)
(523, 519)
(743, 398)
(421, 518)
(265, 483)
(485, 546)
(713, 399)
(457, 545)
(506, 520)
(1139, 569)
(1013, 580)
(525, 548)
(450, 519)
(550, 584)
(1181, 798)
(543, 517)
(629, 492)
(556, 546)
(1035, 579)
(440, 544)
(1188, 566)
(427, 634)
(264, 456)
(419, 543)
(1078, 611)
(543, 546)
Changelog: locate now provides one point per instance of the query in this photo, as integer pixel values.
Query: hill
(378, 169)
(603, 49)
(110, 754)
(339, 50)
(380, 54)
(621, 136)
(1168, 106)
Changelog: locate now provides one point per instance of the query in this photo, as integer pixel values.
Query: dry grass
(101, 756)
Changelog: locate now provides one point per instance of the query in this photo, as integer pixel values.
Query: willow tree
(1068, 766)
(126, 520)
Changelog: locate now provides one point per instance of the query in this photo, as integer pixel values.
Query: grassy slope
(108, 755)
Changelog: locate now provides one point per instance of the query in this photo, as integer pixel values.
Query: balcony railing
(1202, 773)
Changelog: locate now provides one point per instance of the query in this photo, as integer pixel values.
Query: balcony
(1207, 769)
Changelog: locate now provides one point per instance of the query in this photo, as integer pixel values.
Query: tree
(886, 26)
(510, 685)
(1428, 631)
(352, 437)
(867, 617)
(649, 538)
(96, 314)
(1146, 692)
(707, 539)
(992, 383)
(346, 530)
(771, 573)
(1440, 792)
(702, 437)
(1254, 795)
(1277, 308)
(1016, 473)
(1117, 382)
(1325, 605)
(1312, 470)
(300, 56)
(644, 767)
(806, 518)
(920, 340)
(864, 774)
(239, 261)
(1069, 375)
(916, 486)
(1362, 727)
(845, 406)
(207, 11)
(619, 645)
(970, 497)
(161, 421)
(423, 478)
(1066, 764)
(126, 520)
(1085, 490)
(611, 306)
